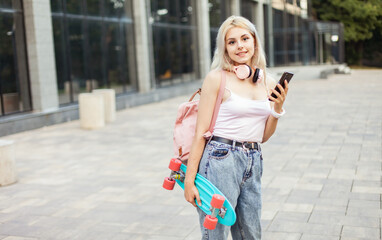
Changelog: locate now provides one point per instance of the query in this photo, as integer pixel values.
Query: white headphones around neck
(244, 71)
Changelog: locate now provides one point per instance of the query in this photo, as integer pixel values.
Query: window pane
(93, 51)
(173, 40)
(56, 6)
(6, 3)
(217, 12)
(63, 81)
(114, 8)
(14, 83)
(95, 59)
(76, 57)
(113, 69)
(125, 53)
(9, 87)
(73, 6)
(93, 7)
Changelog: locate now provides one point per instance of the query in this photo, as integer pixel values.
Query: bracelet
(277, 115)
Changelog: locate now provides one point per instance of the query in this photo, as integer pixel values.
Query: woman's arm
(207, 102)
(270, 126)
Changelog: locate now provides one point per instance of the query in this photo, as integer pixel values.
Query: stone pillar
(7, 163)
(41, 60)
(92, 111)
(203, 28)
(142, 45)
(109, 103)
(259, 21)
(235, 7)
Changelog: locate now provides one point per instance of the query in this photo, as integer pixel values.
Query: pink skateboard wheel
(168, 183)
(210, 223)
(217, 201)
(175, 164)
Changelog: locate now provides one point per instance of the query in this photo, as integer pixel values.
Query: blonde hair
(221, 60)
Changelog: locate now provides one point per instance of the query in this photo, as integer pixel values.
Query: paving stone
(318, 237)
(361, 232)
(323, 229)
(292, 216)
(364, 203)
(335, 209)
(281, 235)
(365, 196)
(300, 208)
(361, 212)
(19, 238)
(286, 226)
(372, 222)
(321, 217)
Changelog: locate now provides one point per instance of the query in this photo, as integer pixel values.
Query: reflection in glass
(14, 82)
(93, 50)
(6, 3)
(73, 6)
(173, 39)
(95, 55)
(76, 39)
(218, 13)
(56, 5)
(63, 83)
(93, 7)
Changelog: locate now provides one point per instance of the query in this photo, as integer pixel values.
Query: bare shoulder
(212, 80)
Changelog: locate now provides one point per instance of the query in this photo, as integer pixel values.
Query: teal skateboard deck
(225, 215)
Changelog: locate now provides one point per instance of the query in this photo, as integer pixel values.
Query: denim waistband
(244, 145)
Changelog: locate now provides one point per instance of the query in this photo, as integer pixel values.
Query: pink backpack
(185, 124)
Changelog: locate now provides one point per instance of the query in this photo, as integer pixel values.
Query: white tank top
(242, 119)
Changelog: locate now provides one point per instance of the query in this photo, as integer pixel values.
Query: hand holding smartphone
(286, 76)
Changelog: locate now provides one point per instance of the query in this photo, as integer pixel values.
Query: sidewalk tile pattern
(321, 181)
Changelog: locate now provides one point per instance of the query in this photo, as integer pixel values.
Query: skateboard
(214, 203)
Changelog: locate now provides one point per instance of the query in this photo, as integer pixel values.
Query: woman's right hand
(191, 193)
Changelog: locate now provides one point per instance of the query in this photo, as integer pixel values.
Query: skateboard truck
(222, 212)
(169, 182)
(217, 202)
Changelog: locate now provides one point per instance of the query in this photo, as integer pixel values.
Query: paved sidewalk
(322, 172)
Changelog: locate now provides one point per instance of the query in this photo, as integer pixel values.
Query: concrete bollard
(7, 163)
(109, 100)
(91, 109)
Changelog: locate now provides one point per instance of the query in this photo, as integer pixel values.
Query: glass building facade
(297, 40)
(14, 82)
(97, 44)
(93, 46)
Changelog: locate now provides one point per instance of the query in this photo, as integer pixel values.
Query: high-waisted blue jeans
(236, 172)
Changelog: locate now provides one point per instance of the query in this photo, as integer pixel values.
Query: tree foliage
(360, 17)
(362, 20)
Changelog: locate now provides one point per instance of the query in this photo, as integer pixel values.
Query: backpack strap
(219, 100)
(193, 95)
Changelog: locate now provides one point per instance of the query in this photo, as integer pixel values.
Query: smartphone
(286, 76)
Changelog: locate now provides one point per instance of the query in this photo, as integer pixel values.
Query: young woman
(232, 158)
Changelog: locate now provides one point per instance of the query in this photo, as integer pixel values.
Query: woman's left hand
(279, 101)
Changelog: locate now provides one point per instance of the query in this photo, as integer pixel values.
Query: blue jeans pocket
(220, 152)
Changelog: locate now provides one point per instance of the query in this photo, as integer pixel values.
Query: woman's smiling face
(240, 45)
